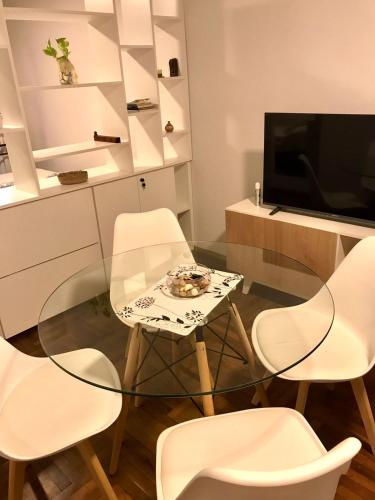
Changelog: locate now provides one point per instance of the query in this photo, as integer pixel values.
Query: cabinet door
(23, 294)
(112, 199)
(157, 190)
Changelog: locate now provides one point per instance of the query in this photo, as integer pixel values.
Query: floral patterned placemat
(156, 307)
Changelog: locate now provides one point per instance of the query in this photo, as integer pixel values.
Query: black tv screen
(320, 163)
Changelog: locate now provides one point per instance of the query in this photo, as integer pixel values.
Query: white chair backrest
(353, 289)
(312, 481)
(133, 272)
(136, 230)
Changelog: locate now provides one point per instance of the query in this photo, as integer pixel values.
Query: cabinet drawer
(36, 232)
(112, 199)
(23, 294)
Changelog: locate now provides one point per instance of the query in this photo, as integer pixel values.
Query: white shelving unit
(117, 47)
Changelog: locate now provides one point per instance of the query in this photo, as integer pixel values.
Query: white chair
(261, 454)
(43, 410)
(130, 272)
(348, 352)
(130, 275)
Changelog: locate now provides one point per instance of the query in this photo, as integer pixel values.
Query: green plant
(62, 44)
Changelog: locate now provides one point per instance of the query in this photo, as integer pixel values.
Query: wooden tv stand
(320, 244)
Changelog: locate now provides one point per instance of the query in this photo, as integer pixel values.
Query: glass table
(137, 310)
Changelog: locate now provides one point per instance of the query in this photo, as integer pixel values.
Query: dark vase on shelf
(169, 127)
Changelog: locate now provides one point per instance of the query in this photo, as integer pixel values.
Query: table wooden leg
(204, 373)
(130, 370)
(261, 393)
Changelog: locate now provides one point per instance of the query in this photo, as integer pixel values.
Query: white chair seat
(43, 413)
(266, 439)
(279, 340)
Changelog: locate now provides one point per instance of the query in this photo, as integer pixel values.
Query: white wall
(250, 56)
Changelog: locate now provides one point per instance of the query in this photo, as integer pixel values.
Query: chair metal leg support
(16, 479)
(303, 391)
(364, 406)
(88, 454)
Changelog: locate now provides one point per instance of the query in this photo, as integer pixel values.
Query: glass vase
(68, 74)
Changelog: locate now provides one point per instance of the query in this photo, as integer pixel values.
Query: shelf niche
(140, 74)
(94, 51)
(146, 140)
(167, 8)
(134, 22)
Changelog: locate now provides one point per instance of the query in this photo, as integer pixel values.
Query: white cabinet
(112, 199)
(23, 294)
(157, 189)
(39, 231)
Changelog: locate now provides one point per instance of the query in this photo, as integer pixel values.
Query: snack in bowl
(189, 280)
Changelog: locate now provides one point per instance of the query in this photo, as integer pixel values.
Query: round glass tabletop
(186, 319)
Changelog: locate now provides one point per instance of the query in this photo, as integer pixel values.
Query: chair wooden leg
(88, 454)
(303, 391)
(142, 349)
(130, 370)
(256, 399)
(235, 315)
(16, 479)
(364, 406)
(262, 395)
(205, 378)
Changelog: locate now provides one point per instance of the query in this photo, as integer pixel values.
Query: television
(321, 164)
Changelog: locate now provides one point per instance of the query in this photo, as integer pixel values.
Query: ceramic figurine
(169, 127)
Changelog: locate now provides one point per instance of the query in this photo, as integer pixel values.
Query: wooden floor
(332, 413)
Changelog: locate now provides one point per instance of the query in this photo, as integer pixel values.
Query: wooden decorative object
(106, 138)
(73, 177)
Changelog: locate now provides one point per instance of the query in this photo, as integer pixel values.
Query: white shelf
(11, 128)
(166, 19)
(351, 230)
(72, 149)
(168, 79)
(94, 174)
(37, 88)
(182, 208)
(11, 195)
(175, 133)
(58, 15)
(143, 112)
(175, 161)
(136, 47)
